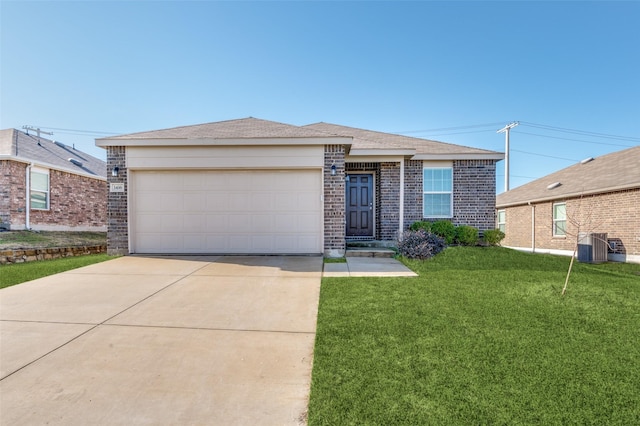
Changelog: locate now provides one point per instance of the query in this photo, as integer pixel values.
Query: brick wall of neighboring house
(389, 196)
(117, 218)
(614, 213)
(517, 227)
(413, 192)
(12, 193)
(474, 193)
(334, 201)
(75, 202)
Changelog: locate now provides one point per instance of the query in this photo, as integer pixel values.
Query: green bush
(493, 237)
(444, 229)
(467, 235)
(420, 244)
(421, 224)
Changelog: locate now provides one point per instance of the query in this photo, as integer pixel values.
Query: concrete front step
(369, 252)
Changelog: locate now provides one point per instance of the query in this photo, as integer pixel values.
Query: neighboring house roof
(422, 149)
(612, 172)
(362, 142)
(28, 148)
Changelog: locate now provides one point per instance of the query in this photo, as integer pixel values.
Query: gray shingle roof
(15, 143)
(245, 128)
(611, 172)
(368, 139)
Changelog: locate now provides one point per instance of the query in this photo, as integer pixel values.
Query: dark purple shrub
(420, 244)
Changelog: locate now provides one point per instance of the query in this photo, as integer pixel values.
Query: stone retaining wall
(31, 255)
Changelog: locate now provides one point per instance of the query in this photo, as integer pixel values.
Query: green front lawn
(21, 272)
(483, 336)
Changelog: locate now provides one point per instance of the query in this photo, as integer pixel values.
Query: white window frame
(32, 190)
(502, 221)
(557, 220)
(426, 193)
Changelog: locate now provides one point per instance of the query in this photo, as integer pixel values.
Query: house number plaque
(116, 187)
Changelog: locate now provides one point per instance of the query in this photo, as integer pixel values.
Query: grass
(22, 272)
(482, 336)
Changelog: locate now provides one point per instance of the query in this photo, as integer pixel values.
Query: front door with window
(359, 200)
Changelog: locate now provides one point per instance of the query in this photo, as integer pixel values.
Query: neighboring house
(46, 185)
(256, 186)
(600, 195)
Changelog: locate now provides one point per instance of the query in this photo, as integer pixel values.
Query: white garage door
(257, 212)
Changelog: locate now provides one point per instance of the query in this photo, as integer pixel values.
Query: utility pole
(506, 129)
(37, 129)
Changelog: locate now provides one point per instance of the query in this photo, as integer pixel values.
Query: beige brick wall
(615, 213)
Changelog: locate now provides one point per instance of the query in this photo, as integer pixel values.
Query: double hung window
(559, 219)
(502, 220)
(437, 185)
(39, 189)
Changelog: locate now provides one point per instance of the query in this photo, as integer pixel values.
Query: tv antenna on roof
(37, 129)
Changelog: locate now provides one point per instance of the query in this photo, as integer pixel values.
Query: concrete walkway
(367, 267)
(152, 341)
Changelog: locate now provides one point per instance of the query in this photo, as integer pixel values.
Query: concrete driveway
(224, 340)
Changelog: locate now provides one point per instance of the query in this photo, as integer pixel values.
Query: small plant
(493, 237)
(467, 235)
(420, 244)
(421, 224)
(444, 229)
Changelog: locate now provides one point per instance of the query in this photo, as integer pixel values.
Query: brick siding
(117, 215)
(614, 213)
(75, 202)
(413, 192)
(474, 193)
(334, 192)
(389, 196)
(13, 193)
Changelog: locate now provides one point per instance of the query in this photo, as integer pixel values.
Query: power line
(548, 156)
(457, 133)
(580, 132)
(574, 140)
(444, 129)
(78, 132)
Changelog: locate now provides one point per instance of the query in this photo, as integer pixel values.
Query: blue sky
(451, 71)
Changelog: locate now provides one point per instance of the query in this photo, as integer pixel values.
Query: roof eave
(461, 156)
(52, 166)
(381, 152)
(106, 142)
(573, 194)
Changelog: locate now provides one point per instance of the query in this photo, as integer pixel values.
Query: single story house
(46, 185)
(598, 195)
(259, 187)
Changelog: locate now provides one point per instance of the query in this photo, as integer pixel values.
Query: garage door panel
(227, 211)
(193, 241)
(171, 202)
(193, 202)
(308, 223)
(194, 223)
(218, 223)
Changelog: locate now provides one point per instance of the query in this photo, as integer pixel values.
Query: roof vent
(554, 185)
(59, 144)
(586, 160)
(76, 162)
